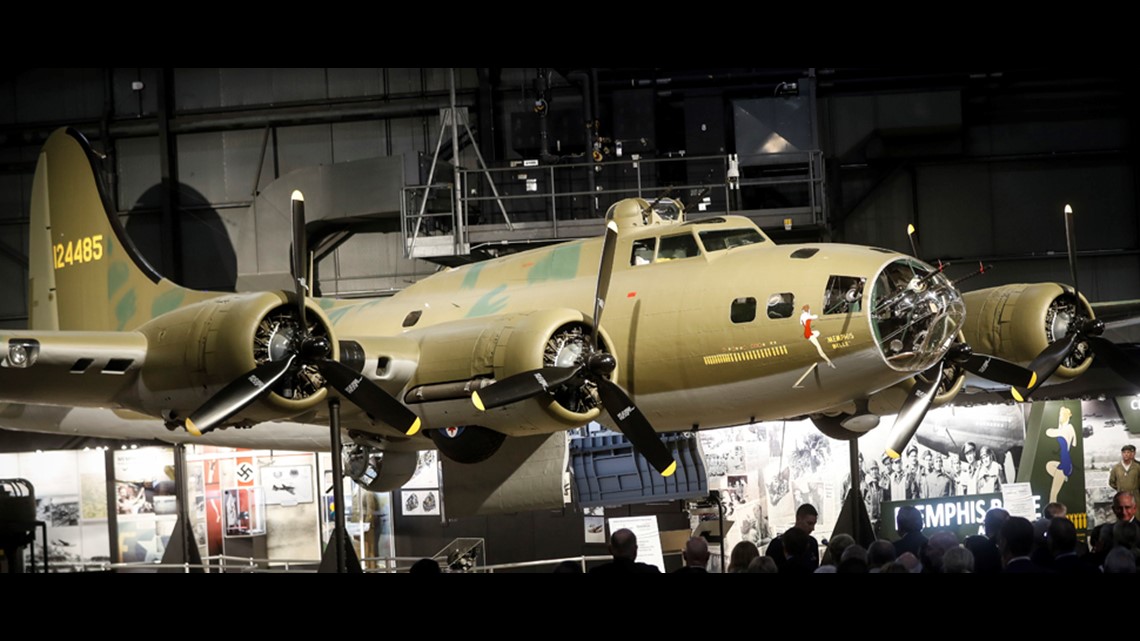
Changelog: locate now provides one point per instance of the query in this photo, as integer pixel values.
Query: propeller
(1080, 329)
(300, 257)
(990, 367)
(918, 401)
(305, 349)
(960, 354)
(913, 410)
(594, 366)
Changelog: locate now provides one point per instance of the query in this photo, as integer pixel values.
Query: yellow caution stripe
(746, 355)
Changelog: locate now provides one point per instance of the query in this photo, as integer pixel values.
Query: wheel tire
(831, 428)
(472, 444)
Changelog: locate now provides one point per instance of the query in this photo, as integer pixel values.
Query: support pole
(182, 547)
(338, 486)
(458, 177)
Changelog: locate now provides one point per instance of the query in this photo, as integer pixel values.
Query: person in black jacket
(623, 547)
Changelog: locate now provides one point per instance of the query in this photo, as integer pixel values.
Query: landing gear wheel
(468, 444)
(832, 427)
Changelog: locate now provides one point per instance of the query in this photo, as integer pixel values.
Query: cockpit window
(718, 239)
(781, 305)
(643, 251)
(844, 295)
(676, 247)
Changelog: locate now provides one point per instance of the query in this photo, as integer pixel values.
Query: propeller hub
(315, 348)
(1094, 327)
(960, 352)
(601, 363)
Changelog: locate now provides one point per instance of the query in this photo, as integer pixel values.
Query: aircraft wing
(1117, 310)
(78, 369)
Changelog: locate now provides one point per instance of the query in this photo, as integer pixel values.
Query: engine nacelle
(457, 358)
(196, 350)
(1017, 322)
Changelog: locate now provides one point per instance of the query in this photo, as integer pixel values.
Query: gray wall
(981, 166)
(219, 167)
(978, 187)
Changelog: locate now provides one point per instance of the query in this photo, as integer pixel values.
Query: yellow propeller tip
(478, 402)
(297, 195)
(612, 226)
(891, 453)
(669, 470)
(1016, 395)
(1068, 209)
(1032, 381)
(414, 428)
(910, 230)
(192, 428)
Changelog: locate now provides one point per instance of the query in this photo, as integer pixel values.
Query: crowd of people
(1010, 545)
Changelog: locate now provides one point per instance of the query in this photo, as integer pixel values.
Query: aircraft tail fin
(84, 271)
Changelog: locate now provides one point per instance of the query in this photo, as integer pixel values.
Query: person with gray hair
(958, 560)
(1124, 507)
(879, 554)
(836, 547)
(936, 548)
(696, 556)
(1120, 561)
(853, 560)
(763, 565)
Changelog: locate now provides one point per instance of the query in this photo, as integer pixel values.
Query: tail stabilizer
(84, 271)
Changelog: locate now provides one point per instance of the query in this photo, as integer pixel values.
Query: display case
(245, 512)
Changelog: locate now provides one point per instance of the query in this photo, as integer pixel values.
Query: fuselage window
(718, 239)
(677, 247)
(643, 251)
(781, 305)
(743, 310)
(844, 295)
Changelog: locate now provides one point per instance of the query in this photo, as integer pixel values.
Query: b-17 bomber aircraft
(663, 325)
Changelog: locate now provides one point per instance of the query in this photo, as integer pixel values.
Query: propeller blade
(913, 411)
(635, 426)
(1120, 362)
(1071, 242)
(1001, 371)
(520, 387)
(300, 258)
(910, 232)
(1047, 363)
(605, 270)
(236, 396)
(369, 396)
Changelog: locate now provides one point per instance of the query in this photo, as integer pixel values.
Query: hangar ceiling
(980, 158)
